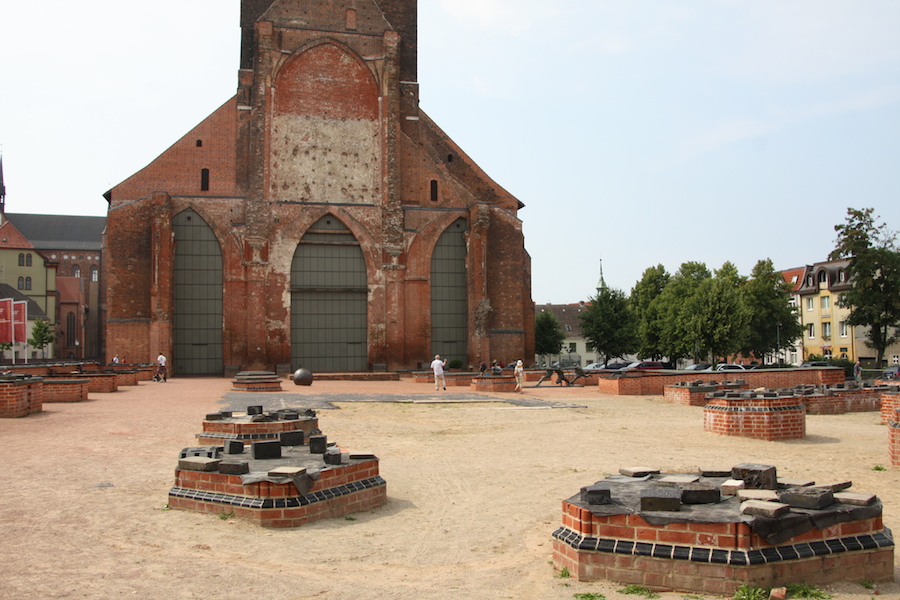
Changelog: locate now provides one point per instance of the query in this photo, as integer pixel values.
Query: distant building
(25, 271)
(73, 245)
(574, 346)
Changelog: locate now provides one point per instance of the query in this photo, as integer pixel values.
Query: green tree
(671, 315)
(41, 335)
(874, 270)
(644, 292)
(548, 335)
(714, 316)
(608, 324)
(772, 322)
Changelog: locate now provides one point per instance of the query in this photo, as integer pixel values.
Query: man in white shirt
(161, 374)
(437, 365)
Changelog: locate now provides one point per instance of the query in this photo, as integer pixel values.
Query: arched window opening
(95, 273)
(28, 283)
(204, 180)
(21, 284)
(70, 330)
(76, 271)
(21, 259)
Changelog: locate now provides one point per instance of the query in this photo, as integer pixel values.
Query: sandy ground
(474, 493)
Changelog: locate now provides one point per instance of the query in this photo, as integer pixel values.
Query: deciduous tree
(874, 272)
(608, 325)
(548, 335)
(772, 322)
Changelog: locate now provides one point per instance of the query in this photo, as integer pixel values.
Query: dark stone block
(332, 456)
(756, 477)
(207, 451)
(264, 450)
(234, 447)
(291, 438)
(214, 417)
(198, 463)
(807, 497)
(255, 410)
(661, 498)
(318, 444)
(715, 473)
(261, 419)
(596, 494)
(226, 414)
(700, 493)
(234, 467)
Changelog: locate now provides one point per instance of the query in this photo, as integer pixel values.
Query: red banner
(20, 317)
(6, 321)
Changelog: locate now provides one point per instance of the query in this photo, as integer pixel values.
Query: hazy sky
(645, 132)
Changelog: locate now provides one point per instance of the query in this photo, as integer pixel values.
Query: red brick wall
(889, 403)
(20, 399)
(259, 206)
(65, 390)
(654, 383)
(782, 418)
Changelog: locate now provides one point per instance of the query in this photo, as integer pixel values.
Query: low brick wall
(340, 490)
(889, 404)
(59, 389)
(125, 378)
(894, 439)
(215, 433)
(654, 382)
(694, 395)
(494, 383)
(760, 416)
(716, 553)
(101, 383)
(20, 397)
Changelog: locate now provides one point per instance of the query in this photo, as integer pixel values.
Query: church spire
(601, 285)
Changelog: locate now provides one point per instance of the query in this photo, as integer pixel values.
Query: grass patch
(564, 573)
(746, 592)
(804, 590)
(225, 516)
(866, 584)
(638, 590)
(879, 468)
(590, 596)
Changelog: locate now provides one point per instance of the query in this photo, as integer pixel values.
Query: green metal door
(449, 307)
(198, 297)
(329, 300)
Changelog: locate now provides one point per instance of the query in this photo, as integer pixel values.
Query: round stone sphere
(302, 377)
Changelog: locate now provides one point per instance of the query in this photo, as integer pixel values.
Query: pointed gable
(11, 238)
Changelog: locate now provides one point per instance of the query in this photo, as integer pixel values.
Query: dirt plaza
(474, 484)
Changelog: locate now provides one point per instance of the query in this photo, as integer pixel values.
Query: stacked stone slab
(654, 382)
(256, 381)
(713, 531)
(293, 479)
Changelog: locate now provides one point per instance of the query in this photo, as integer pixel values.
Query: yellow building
(27, 271)
(827, 333)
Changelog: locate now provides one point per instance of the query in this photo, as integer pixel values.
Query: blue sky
(648, 132)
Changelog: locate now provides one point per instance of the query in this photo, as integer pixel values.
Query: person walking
(520, 375)
(437, 365)
(161, 371)
(857, 372)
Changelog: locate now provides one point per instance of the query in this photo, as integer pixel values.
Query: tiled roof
(566, 314)
(60, 232)
(11, 237)
(34, 309)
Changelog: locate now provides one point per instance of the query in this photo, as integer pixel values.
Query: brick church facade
(318, 218)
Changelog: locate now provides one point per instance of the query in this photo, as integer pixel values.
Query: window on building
(350, 19)
(572, 347)
(204, 180)
(895, 359)
(28, 283)
(95, 273)
(28, 260)
(810, 303)
(568, 328)
(199, 143)
(826, 302)
(826, 330)
(826, 353)
(21, 284)
(434, 190)
(809, 280)
(811, 331)
(70, 330)
(21, 259)
(842, 328)
(842, 276)
(76, 271)
(823, 276)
